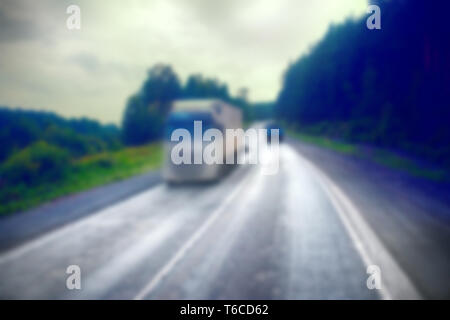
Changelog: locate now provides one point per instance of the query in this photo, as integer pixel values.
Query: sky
(92, 71)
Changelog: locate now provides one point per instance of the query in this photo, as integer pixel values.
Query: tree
(162, 86)
(143, 122)
(37, 162)
(198, 86)
(145, 111)
(388, 86)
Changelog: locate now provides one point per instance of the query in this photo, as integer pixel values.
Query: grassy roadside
(383, 157)
(84, 173)
(324, 142)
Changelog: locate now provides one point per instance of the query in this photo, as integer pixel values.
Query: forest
(387, 87)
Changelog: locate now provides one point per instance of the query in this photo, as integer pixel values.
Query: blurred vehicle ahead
(213, 114)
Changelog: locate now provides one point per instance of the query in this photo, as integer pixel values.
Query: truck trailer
(210, 114)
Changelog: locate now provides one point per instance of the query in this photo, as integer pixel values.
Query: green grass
(383, 157)
(325, 142)
(391, 160)
(83, 174)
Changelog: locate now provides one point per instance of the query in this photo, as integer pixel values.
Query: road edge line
(366, 242)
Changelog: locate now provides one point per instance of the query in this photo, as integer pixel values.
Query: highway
(297, 234)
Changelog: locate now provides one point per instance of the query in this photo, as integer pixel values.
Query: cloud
(86, 61)
(27, 20)
(92, 71)
(14, 28)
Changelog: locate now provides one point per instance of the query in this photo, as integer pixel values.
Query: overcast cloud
(91, 72)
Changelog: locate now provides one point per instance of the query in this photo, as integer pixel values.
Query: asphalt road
(293, 235)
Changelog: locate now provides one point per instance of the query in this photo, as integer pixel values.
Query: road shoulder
(409, 215)
(21, 227)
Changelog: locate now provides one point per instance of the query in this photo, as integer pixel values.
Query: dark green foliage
(142, 122)
(199, 87)
(77, 144)
(39, 149)
(261, 111)
(388, 87)
(21, 128)
(36, 163)
(145, 112)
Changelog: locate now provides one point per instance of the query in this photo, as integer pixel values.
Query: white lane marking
(112, 272)
(209, 267)
(179, 255)
(396, 283)
(53, 235)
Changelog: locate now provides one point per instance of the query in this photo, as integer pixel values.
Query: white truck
(212, 113)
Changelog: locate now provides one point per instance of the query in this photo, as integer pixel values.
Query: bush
(104, 161)
(78, 145)
(40, 162)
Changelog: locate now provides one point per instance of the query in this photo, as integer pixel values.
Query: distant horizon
(119, 124)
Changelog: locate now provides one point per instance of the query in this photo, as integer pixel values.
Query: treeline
(388, 87)
(145, 112)
(261, 111)
(39, 146)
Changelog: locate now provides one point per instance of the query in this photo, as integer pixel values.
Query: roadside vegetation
(387, 158)
(147, 109)
(45, 156)
(42, 172)
(386, 88)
